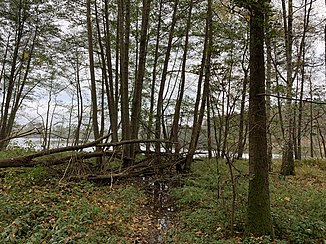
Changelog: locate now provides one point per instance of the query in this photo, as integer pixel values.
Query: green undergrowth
(205, 205)
(37, 207)
(34, 209)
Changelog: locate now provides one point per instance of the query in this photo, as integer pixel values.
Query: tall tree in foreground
(259, 220)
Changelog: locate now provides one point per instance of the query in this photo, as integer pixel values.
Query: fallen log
(29, 160)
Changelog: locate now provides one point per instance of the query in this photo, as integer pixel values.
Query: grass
(205, 205)
(35, 207)
(36, 210)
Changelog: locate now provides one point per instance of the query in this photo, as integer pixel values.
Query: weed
(297, 203)
(65, 213)
(24, 178)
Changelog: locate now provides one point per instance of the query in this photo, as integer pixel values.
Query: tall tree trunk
(8, 91)
(268, 91)
(113, 110)
(176, 117)
(159, 108)
(92, 72)
(138, 87)
(80, 103)
(311, 134)
(206, 66)
(107, 77)
(259, 220)
(287, 167)
(95, 125)
(302, 54)
(150, 130)
(209, 127)
(124, 28)
(241, 137)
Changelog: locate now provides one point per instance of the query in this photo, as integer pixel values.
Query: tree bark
(268, 91)
(92, 71)
(241, 138)
(287, 167)
(159, 108)
(124, 29)
(259, 220)
(150, 127)
(206, 66)
(113, 110)
(301, 64)
(28, 160)
(138, 88)
(176, 117)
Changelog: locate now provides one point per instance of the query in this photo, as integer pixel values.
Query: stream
(162, 207)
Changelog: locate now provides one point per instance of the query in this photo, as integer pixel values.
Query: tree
(287, 157)
(159, 107)
(259, 220)
(176, 117)
(205, 71)
(138, 87)
(124, 44)
(26, 29)
(92, 72)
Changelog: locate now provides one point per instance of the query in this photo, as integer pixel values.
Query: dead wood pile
(151, 164)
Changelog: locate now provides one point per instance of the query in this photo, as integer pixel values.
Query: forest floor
(36, 207)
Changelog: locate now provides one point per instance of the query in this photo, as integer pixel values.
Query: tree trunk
(159, 108)
(206, 66)
(138, 88)
(209, 127)
(241, 138)
(259, 220)
(150, 130)
(301, 64)
(287, 167)
(92, 72)
(311, 137)
(8, 91)
(268, 91)
(176, 118)
(113, 110)
(124, 29)
(80, 103)
(323, 141)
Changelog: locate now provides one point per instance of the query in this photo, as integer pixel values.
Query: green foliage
(313, 162)
(24, 178)
(15, 151)
(298, 208)
(35, 208)
(65, 212)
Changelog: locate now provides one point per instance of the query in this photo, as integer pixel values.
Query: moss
(259, 219)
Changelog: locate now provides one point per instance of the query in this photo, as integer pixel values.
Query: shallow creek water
(162, 205)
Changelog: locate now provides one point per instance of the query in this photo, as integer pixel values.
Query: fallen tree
(151, 164)
(146, 167)
(34, 158)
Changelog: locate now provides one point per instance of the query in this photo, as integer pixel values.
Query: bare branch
(293, 99)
